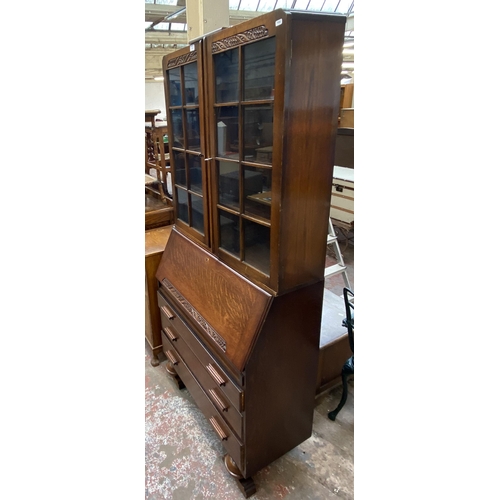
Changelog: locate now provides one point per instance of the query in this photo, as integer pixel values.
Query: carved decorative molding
(196, 315)
(176, 61)
(239, 38)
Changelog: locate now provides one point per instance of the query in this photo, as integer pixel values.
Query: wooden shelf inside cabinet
(252, 148)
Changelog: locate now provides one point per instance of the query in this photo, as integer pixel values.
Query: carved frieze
(195, 315)
(185, 58)
(239, 38)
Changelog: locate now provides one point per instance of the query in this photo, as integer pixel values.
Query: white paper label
(191, 48)
(279, 22)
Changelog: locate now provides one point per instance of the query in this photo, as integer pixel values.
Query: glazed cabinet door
(184, 96)
(241, 87)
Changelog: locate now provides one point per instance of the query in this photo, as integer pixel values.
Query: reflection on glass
(177, 128)
(197, 212)
(229, 227)
(228, 174)
(191, 83)
(259, 70)
(180, 168)
(227, 132)
(257, 247)
(194, 165)
(182, 205)
(174, 86)
(258, 133)
(257, 190)
(227, 76)
(193, 129)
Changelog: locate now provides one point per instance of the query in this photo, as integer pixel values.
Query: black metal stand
(347, 370)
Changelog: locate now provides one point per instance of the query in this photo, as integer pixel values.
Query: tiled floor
(184, 455)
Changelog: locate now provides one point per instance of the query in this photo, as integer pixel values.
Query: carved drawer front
(172, 340)
(228, 438)
(170, 318)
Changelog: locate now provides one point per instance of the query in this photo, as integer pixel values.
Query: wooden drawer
(171, 318)
(172, 339)
(229, 440)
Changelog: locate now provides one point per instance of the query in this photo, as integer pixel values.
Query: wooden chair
(348, 368)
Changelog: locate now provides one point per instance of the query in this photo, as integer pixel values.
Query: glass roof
(333, 6)
(171, 22)
(339, 6)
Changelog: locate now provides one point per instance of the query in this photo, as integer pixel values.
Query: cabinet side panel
(311, 124)
(281, 377)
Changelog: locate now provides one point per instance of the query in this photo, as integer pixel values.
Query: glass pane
(284, 4)
(330, 5)
(248, 5)
(174, 86)
(191, 83)
(180, 168)
(194, 165)
(343, 6)
(177, 26)
(259, 69)
(257, 248)
(229, 227)
(182, 205)
(227, 76)
(258, 133)
(266, 5)
(197, 217)
(301, 4)
(228, 174)
(227, 132)
(193, 129)
(315, 5)
(177, 128)
(257, 190)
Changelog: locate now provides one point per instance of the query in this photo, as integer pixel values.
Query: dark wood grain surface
(155, 241)
(233, 306)
(308, 156)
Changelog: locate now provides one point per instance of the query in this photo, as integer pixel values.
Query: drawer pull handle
(215, 375)
(218, 429)
(168, 312)
(171, 357)
(170, 334)
(220, 403)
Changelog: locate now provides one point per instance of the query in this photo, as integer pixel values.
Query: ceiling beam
(156, 36)
(156, 13)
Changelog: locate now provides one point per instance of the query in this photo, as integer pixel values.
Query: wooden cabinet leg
(246, 485)
(171, 371)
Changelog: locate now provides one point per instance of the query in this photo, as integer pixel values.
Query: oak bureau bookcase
(252, 116)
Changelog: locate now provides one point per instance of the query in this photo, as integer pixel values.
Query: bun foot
(246, 485)
(171, 371)
(154, 360)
